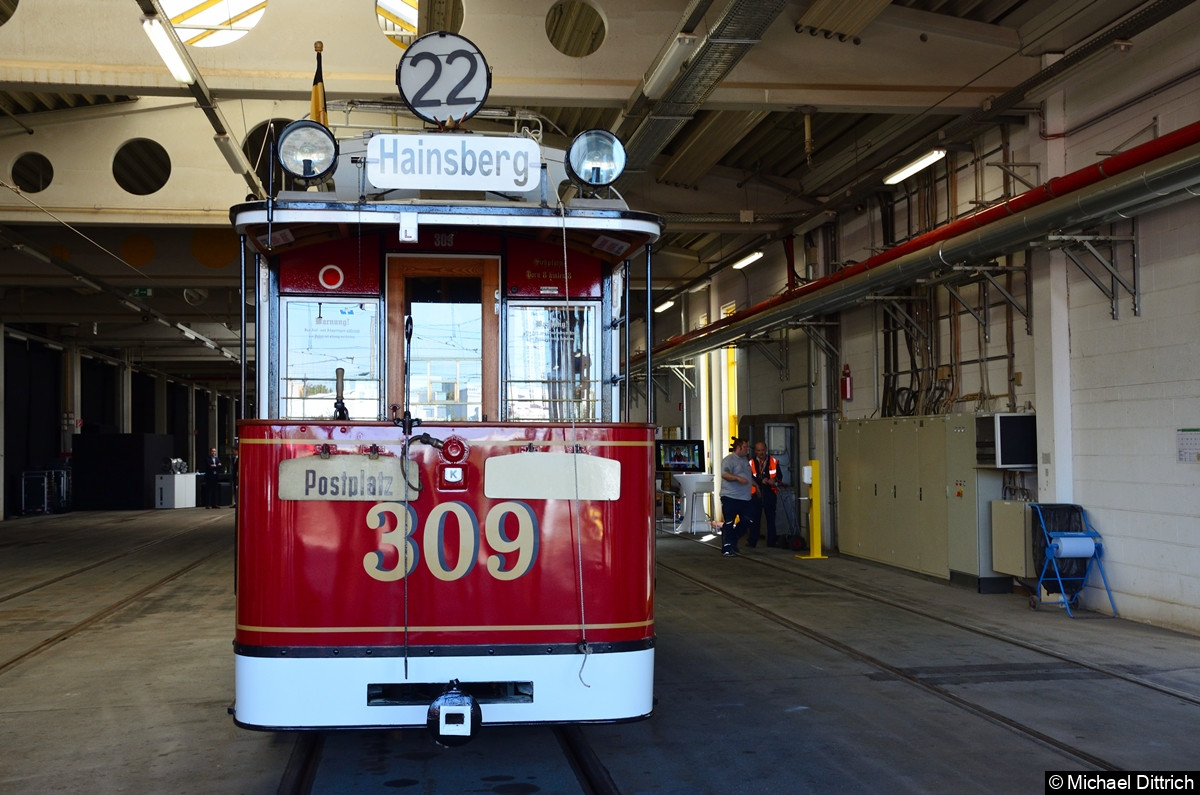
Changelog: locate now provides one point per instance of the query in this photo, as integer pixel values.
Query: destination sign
(453, 162)
(346, 478)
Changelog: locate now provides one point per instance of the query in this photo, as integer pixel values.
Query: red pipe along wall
(1054, 188)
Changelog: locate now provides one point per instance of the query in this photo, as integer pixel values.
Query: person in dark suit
(233, 474)
(212, 472)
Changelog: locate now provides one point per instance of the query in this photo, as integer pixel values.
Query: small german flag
(317, 112)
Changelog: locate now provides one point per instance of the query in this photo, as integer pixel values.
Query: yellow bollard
(814, 514)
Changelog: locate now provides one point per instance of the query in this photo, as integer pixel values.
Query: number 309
(513, 556)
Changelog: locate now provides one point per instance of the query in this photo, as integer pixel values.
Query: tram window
(320, 336)
(445, 365)
(552, 369)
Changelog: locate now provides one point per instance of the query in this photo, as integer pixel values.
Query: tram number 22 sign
(443, 78)
(513, 554)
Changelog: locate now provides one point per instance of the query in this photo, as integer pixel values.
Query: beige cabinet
(911, 494)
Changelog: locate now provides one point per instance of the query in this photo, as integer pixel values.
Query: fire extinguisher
(847, 383)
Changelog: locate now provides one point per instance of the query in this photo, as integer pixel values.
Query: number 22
(453, 98)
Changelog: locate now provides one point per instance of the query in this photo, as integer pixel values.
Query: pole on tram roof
(628, 399)
(649, 344)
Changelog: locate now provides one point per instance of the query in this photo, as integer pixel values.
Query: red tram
(442, 521)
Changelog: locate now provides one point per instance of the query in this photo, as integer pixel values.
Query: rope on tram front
(576, 526)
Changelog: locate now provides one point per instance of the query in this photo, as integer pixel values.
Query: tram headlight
(308, 152)
(596, 158)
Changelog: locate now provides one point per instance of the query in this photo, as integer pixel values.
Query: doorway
(453, 374)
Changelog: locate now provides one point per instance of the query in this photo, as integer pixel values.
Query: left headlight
(308, 152)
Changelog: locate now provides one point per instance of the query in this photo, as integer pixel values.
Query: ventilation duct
(740, 26)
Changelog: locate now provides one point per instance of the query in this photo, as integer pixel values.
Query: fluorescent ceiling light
(31, 252)
(231, 151)
(664, 306)
(746, 260)
(164, 43)
(924, 161)
(655, 83)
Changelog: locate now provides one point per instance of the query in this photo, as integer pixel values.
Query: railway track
(947, 682)
(504, 759)
(96, 564)
(144, 579)
(1106, 670)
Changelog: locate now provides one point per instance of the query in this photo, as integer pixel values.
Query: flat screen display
(679, 455)
(1016, 441)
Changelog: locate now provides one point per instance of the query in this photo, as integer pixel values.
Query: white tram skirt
(332, 692)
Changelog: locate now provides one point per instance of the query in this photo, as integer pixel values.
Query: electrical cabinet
(932, 549)
(849, 490)
(1012, 539)
(970, 490)
(911, 494)
(891, 499)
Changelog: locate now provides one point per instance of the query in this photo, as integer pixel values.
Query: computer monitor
(1016, 441)
(1006, 441)
(679, 455)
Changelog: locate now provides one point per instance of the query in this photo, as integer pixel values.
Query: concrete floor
(772, 674)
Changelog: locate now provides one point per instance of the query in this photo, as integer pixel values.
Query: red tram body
(478, 521)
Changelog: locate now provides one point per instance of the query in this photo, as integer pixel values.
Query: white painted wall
(1111, 393)
(1135, 381)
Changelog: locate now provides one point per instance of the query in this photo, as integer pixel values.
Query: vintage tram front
(442, 521)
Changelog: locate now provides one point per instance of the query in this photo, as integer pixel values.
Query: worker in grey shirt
(735, 495)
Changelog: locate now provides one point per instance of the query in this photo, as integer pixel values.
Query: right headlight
(596, 158)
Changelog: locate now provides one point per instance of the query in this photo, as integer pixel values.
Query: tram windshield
(319, 337)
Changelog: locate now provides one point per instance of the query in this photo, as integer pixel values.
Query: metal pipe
(1157, 168)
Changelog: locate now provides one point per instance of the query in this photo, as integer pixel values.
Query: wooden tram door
(454, 368)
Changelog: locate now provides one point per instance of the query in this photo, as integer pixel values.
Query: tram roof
(605, 232)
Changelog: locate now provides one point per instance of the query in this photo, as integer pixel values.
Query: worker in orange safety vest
(764, 490)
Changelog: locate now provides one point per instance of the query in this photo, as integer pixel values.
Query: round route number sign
(443, 78)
